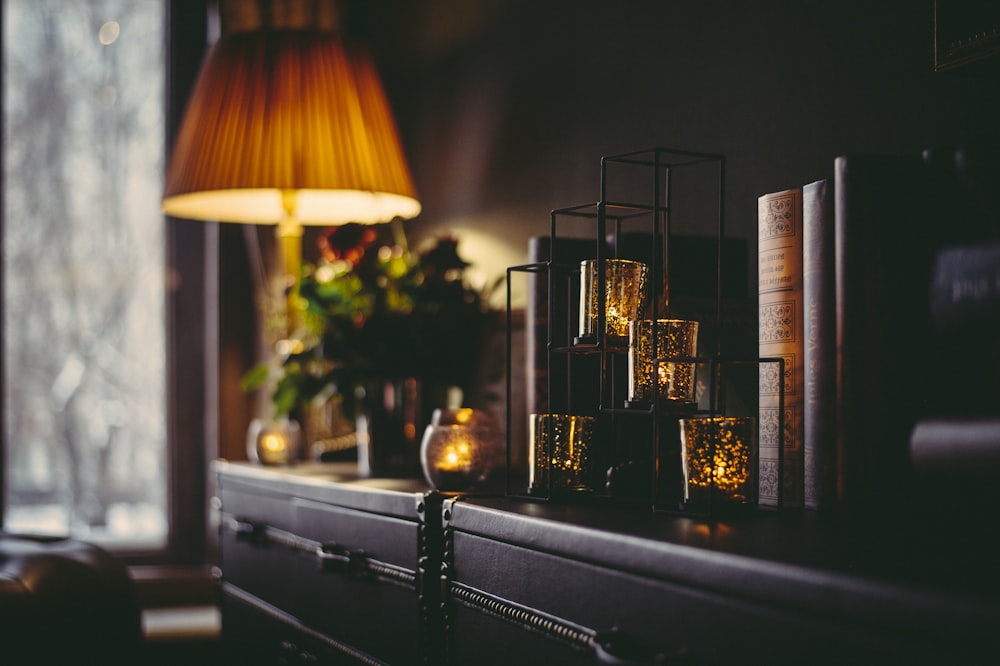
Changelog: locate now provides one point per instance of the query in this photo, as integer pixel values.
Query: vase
(390, 424)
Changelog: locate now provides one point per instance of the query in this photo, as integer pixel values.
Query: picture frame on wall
(965, 31)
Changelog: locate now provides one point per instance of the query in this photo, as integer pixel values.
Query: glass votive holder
(459, 457)
(668, 338)
(559, 453)
(719, 461)
(273, 442)
(626, 285)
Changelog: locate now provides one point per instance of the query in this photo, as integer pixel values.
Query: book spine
(888, 372)
(819, 303)
(780, 335)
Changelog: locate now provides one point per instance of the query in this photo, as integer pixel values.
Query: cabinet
(323, 567)
(320, 566)
(585, 585)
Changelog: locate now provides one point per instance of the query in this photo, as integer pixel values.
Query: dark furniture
(318, 565)
(464, 580)
(65, 601)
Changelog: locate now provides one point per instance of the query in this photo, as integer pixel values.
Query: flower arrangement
(371, 309)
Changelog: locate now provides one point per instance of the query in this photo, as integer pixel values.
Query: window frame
(192, 307)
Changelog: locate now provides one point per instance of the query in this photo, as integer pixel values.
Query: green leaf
(256, 377)
(286, 396)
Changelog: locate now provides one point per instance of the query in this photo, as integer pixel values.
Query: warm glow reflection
(272, 442)
(664, 338)
(559, 454)
(455, 457)
(625, 291)
(719, 453)
(288, 346)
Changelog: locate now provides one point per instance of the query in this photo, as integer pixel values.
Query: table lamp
(289, 126)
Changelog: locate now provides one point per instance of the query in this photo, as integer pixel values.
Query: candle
(273, 442)
(459, 457)
(454, 457)
(675, 380)
(559, 453)
(719, 459)
(625, 290)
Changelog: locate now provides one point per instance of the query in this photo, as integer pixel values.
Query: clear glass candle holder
(559, 453)
(273, 442)
(626, 285)
(662, 339)
(458, 458)
(719, 460)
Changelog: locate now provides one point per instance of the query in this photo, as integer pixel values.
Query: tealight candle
(559, 453)
(719, 460)
(625, 290)
(273, 443)
(459, 457)
(675, 380)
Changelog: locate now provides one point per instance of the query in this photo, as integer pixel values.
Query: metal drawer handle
(335, 558)
(615, 648)
(249, 531)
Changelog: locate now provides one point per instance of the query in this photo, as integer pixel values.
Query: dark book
(819, 303)
(965, 309)
(956, 446)
(887, 371)
(557, 382)
(965, 191)
(965, 294)
(965, 291)
(955, 464)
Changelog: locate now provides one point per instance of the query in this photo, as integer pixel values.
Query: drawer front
(501, 594)
(248, 559)
(257, 634)
(344, 574)
(367, 596)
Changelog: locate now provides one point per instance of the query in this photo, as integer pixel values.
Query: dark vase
(392, 416)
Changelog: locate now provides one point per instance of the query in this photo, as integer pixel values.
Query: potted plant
(384, 335)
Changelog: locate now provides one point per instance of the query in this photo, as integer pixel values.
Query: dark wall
(506, 106)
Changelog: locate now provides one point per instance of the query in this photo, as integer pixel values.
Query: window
(90, 317)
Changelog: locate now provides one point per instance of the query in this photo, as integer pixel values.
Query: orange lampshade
(288, 123)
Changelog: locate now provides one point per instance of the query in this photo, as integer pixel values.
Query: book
(819, 302)
(555, 382)
(965, 310)
(780, 335)
(888, 373)
(965, 191)
(955, 462)
(967, 447)
(965, 290)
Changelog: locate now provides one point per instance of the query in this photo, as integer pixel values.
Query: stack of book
(879, 287)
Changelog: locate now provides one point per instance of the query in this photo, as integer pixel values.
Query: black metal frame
(615, 213)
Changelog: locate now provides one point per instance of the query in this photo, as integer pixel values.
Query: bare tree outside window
(83, 263)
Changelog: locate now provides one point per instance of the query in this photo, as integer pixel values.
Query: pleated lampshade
(288, 122)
